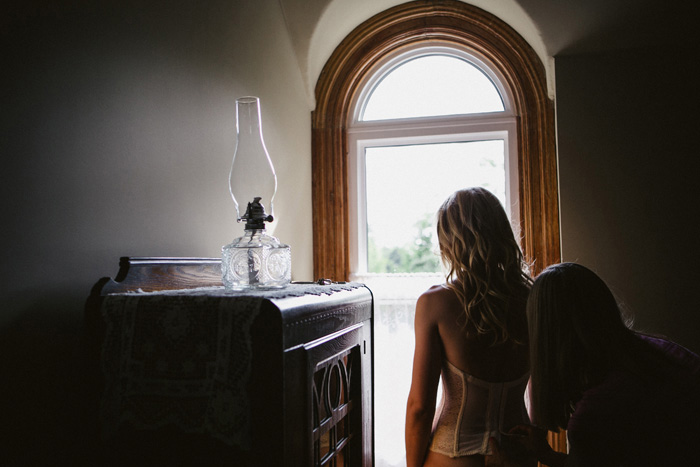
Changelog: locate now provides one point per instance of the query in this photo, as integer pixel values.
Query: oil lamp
(256, 260)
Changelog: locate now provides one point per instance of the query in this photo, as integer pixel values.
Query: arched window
(429, 120)
(431, 80)
(411, 25)
(348, 120)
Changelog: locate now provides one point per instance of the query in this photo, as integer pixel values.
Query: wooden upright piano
(189, 374)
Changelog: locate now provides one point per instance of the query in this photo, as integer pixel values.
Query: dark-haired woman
(624, 398)
(473, 331)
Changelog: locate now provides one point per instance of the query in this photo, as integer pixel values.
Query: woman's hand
(498, 458)
(533, 441)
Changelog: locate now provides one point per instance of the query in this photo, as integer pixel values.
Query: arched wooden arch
(448, 21)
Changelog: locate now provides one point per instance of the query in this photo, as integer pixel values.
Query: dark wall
(117, 130)
(628, 165)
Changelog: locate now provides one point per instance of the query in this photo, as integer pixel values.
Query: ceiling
(581, 26)
(562, 27)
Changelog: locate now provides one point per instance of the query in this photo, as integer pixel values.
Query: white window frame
(390, 62)
(424, 130)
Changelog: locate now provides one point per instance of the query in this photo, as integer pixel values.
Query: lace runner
(182, 358)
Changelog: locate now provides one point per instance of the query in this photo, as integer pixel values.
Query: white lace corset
(472, 410)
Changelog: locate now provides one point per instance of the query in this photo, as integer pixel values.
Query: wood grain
(163, 273)
(451, 22)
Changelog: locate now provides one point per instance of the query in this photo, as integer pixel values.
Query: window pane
(405, 187)
(432, 85)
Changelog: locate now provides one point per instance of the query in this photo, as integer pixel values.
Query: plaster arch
(339, 17)
(417, 22)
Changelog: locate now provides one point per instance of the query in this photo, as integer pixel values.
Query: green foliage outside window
(419, 256)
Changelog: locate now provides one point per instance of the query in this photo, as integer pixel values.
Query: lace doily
(296, 289)
(183, 358)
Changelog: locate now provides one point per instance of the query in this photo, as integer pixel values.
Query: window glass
(425, 126)
(401, 208)
(358, 109)
(432, 85)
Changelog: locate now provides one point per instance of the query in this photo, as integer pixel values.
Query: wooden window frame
(452, 22)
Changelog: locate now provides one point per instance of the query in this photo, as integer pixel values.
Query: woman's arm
(420, 408)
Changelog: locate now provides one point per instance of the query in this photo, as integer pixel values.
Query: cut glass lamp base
(256, 261)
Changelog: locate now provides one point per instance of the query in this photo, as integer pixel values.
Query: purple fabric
(630, 420)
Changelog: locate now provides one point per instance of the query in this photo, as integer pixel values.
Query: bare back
(442, 333)
(473, 353)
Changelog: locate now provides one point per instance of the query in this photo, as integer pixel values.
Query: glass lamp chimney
(255, 260)
(252, 174)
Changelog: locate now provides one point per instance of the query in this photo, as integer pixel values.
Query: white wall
(117, 131)
(118, 124)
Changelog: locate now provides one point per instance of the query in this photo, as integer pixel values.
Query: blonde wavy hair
(486, 268)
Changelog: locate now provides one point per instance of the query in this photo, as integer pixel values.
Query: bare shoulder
(436, 294)
(436, 303)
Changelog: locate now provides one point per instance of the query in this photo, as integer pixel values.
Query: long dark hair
(485, 265)
(577, 336)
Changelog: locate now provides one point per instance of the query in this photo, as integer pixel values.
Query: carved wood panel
(341, 399)
(335, 393)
